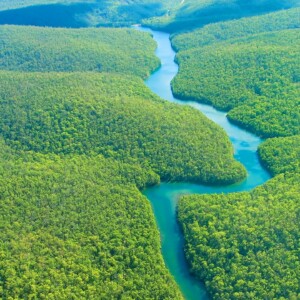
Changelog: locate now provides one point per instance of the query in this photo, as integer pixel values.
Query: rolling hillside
(255, 77)
(30, 49)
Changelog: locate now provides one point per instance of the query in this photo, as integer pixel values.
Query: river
(164, 197)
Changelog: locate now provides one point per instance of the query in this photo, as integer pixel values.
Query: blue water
(164, 197)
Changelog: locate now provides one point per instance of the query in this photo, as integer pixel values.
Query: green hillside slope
(77, 228)
(189, 14)
(256, 78)
(246, 245)
(224, 31)
(80, 13)
(101, 50)
(116, 116)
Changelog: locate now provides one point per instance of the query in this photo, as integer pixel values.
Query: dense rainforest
(81, 136)
(255, 76)
(81, 13)
(76, 148)
(190, 14)
(223, 31)
(246, 245)
(113, 137)
(117, 116)
(26, 48)
(77, 227)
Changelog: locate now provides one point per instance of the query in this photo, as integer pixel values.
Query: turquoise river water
(164, 197)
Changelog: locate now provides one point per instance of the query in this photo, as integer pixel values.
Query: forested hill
(191, 14)
(223, 31)
(73, 221)
(77, 228)
(117, 116)
(58, 49)
(245, 245)
(254, 75)
(80, 13)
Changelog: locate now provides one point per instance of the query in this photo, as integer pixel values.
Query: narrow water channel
(164, 197)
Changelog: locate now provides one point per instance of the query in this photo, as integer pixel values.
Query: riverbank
(164, 197)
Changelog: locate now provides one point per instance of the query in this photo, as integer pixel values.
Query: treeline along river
(164, 197)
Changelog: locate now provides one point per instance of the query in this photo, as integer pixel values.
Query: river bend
(164, 197)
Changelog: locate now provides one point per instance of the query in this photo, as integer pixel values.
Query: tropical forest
(150, 149)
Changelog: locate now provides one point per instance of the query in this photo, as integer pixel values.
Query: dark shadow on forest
(54, 15)
(226, 11)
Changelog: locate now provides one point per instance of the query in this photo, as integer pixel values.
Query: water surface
(164, 198)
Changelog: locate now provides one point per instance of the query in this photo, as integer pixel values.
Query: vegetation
(78, 228)
(224, 31)
(281, 155)
(100, 50)
(255, 77)
(122, 13)
(73, 222)
(117, 116)
(190, 14)
(80, 13)
(246, 245)
(76, 148)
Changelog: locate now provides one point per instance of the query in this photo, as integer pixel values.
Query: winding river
(164, 197)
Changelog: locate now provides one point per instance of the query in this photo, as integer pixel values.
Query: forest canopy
(224, 31)
(246, 245)
(253, 75)
(81, 13)
(117, 116)
(77, 227)
(128, 51)
(81, 136)
(190, 14)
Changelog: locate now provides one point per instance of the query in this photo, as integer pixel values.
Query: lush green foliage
(281, 155)
(120, 12)
(246, 245)
(223, 31)
(189, 14)
(256, 76)
(101, 50)
(118, 117)
(80, 13)
(77, 228)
